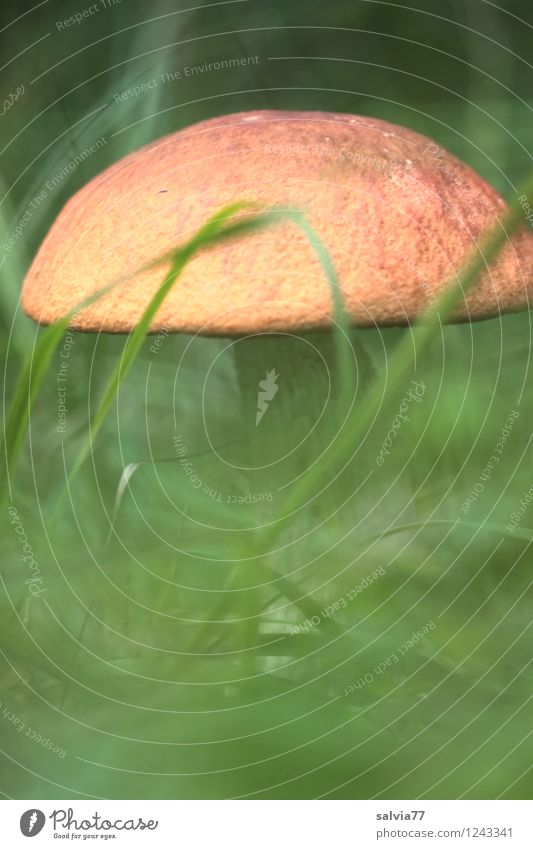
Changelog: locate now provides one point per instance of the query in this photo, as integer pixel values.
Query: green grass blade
(412, 344)
(29, 383)
(215, 230)
(38, 361)
(523, 534)
(341, 323)
(30, 380)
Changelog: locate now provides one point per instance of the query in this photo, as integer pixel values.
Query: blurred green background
(164, 658)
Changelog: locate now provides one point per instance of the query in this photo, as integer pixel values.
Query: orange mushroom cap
(398, 214)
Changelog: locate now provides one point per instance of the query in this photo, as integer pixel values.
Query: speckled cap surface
(398, 214)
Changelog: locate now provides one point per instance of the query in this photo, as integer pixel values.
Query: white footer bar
(268, 824)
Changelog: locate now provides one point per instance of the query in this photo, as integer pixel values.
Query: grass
(220, 627)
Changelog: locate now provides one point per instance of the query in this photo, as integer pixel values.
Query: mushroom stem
(289, 387)
(290, 407)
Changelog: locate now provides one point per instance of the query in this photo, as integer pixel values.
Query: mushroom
(398, 214)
